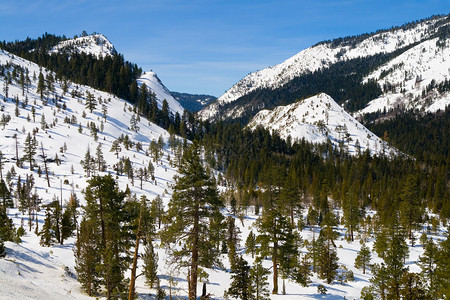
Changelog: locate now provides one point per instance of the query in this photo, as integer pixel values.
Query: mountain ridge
(320, 57)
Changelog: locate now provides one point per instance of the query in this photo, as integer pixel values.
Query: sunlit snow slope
(155, 85)
(317, 119)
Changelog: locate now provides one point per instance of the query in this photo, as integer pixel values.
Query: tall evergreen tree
(258, 281)
(428, 264)
(443, 268)
(194, 201)
(410, 205)
(41, 85)
(250, 243)
(327, 255)
(279, 242)
(30, 149)
(107, 223)
(91, 103)
(240, 280)
(87, 252)
(362, 260)
(150, 259)
(352, 213)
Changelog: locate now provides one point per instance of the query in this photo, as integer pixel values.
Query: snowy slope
(33, 272)
(152, 82)
(97, 45)
(317, 119)
(410, 73)
(319, 56)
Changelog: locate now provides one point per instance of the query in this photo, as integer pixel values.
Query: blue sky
(202, 46)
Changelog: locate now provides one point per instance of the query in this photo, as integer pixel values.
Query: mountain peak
(95, 44)
(318, 119)
(155, 85)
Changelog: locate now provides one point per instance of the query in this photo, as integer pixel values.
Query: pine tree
(115, 147)
(68, 224)
(194, 201)
(108, 225)
(362, 260)
(99, 160)
(443, 268)
(352, 214)
(47, 237)
(388, 275)
(7, 230)
(87, 252)
(279, 242)
(395, 257)
(134, 123)
(412, 287)
(232, 240)
(41, 85)
(327, 255)
(30, 149)
(410, 207)
(304, 271)
(91, 103)
(150, 259)
(428, 264)
(157, 210)
(290, 194)
(380, 281)
(258, 289)
(43, 122)
(5, 196)
(381, 243)
(250, 243)
(88, 163)
(240, 280)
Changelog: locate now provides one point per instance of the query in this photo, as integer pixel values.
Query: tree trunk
(131, 293)
(351, 231)
(45, 166)
(275, 268)
(194, 260)
(204, 290)
(292, 216)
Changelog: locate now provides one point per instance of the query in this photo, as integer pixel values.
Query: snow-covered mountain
(326, 54)
(317, 119)
(99, 46)
(411, 79)
(96, 44)
(155, 85)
